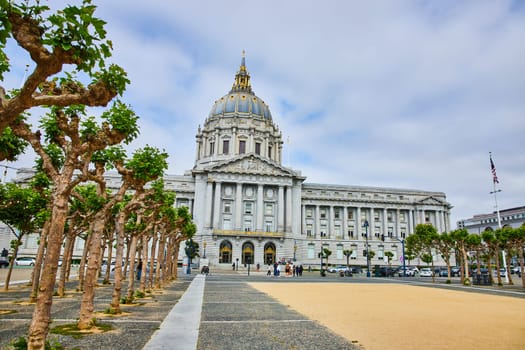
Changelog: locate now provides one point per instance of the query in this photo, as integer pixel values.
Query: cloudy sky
(403, 94)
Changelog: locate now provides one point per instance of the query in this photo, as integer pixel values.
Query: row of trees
(483, 249)
(68, 199)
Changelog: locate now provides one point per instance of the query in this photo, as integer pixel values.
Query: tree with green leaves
(23, 210)
(422, 242)
(389, 256)
(445, 246)
(460, 238)
(347, 253)
(492, 246)
(70, 40)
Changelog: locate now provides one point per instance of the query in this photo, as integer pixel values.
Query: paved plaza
(230, 310)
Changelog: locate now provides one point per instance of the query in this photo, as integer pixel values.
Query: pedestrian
(5, 253)
(269, 272)
(139, 269)
(233, 266)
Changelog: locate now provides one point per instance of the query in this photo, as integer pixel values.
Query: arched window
(225, 252)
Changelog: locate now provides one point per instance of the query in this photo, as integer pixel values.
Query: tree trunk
(522, 263)
(86, 317)
(11, 264)
(176, 261)
(39, 327)
(131, 280)
(152, 267)
(83, 260)
(63, 270)
(161, 264)
(465, 264)
(143, 276)
(110, 258)
(38, 264)
(119, 254)
(69, 260)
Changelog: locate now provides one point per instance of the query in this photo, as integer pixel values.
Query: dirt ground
(391, 316)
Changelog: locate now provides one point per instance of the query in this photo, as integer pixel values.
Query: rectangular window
(309, 230)
(311, 251)
(226, 224)
(268, 209)
(337, 213)
(227, 207)
(323, 213)
(390, 216)
(258, 148)
(212, 148)
(242, 147)
(339, 252)
(377, 215)
(225, 146)
(270, 152)
(350, 214)
(309, 213)
(248, 207)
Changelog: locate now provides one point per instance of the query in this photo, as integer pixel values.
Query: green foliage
(109, 156)
(192, 248)
(77, 29)
(123, 120)
(139, 294)
(11, 146)
(148, 163)
(115, 78)
(21, 344)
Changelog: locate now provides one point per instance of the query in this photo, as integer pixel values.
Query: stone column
(385, 222)
(317, 222)
(303, 219)
(331, 223)
(259, 226)
(238, 207)
(280, 207)
(358, 224)
(217, 206)
(209, 202)
(344, 229)
(288, 217)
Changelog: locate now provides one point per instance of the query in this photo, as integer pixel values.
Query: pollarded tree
(422, 242)
(445, 246)
(492, 244)
(389, 256)
(72, 37)
(347, 253)
(24, 210)
(71, 140)
(145, 165)
(460, 240)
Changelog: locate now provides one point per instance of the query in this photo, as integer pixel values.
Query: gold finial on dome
(242, 78)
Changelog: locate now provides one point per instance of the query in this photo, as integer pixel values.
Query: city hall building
(250, 209)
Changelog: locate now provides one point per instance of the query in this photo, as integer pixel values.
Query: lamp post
(403, 256)
(365, 225)
(204, 246)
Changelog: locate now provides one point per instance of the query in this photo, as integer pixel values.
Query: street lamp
(204, 246)
(365, 225)
(403, 256)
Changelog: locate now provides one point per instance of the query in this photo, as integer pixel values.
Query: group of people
(290, 269)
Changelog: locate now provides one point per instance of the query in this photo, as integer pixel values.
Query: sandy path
(391, 316)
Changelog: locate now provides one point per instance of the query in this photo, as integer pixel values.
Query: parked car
(384, 271)
(25, 261)
(502, 272)
(4, 262)
(515, 270)
(443, 272)
(338, 268)
(410, 271)
(455, 271)
(356, 269)
(425, 272)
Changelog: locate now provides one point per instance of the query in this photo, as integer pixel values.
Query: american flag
(493, 169)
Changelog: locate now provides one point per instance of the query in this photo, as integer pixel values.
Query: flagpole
(495, 192)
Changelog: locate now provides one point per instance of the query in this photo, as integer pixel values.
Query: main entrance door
(269, 253)
(247, 253)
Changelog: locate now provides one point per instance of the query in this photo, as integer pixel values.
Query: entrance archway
(269, 253)
(247, 253)
(225, 252)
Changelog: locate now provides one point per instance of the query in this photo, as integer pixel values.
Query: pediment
(431, 201)
(252, 164)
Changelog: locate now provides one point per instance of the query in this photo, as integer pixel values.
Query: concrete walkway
(180, 329)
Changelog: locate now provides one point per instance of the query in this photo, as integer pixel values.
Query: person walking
(139, 269)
